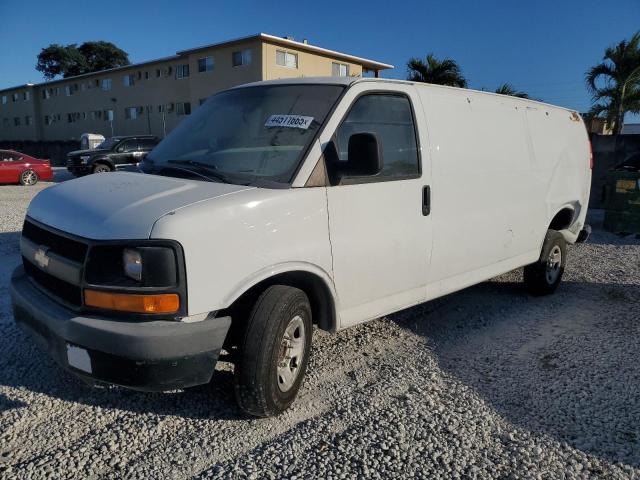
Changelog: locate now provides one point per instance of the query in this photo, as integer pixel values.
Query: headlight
(132, 261)
(85, 158)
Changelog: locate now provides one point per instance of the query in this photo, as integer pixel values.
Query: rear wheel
(274, 352)
(28, 178)
(101, 168)
(544, 276)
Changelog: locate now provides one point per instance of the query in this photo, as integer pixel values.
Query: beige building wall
(309, 64)
(65, 109)
(16, 108)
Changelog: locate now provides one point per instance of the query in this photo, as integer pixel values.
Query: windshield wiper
(211, 171)
(188, 170)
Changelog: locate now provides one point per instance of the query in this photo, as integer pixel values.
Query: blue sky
(542, 47)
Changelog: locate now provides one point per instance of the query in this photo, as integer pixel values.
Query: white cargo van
(281, 205)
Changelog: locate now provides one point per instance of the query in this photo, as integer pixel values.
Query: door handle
(426, 200)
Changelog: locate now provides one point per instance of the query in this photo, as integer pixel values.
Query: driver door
(379, 227)
(125, 152)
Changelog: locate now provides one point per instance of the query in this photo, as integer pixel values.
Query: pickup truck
(112, 154)
(283, 206)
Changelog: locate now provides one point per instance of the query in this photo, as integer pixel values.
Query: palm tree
(432, 70)
(507, 89)
(615, 83)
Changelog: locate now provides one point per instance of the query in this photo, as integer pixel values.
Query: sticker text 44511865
(290, 121)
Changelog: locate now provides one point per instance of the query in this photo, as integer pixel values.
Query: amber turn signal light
(125, 302)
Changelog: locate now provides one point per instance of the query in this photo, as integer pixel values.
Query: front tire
(101, 168)
(28, 178)
(544, 276)
(274, 352)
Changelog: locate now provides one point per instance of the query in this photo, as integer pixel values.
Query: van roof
(347, 81)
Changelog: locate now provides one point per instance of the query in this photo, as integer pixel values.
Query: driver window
(128, 146)
(390, 117)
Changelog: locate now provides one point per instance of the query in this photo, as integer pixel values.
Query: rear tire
(544, 276)
(274, 351)
(100, 168)
(28, 178)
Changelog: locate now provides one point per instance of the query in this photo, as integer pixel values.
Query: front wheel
(544, 276)
(28, 178)
(274, 352)
(101, 168)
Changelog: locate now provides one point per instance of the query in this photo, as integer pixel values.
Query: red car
(16, 167)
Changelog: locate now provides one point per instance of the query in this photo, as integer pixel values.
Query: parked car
(112, 154)
(16, 167)
(281, 205)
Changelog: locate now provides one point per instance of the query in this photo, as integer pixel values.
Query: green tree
(70, 60)
(507, 89)
(615, 83)
(439, 72)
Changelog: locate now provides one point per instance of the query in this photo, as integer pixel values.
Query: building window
(73, 117)
(241, 58)
(4, 99)
(108, 115)
(205, 64)
(146, 75)
(286, 59)
(339, 69)
(183, 108)
(158, 72)
(26, 96)
(182, 71)
(70, 89)
(5, 122)
(105, 84)
(128, 80)
(15, 97)
(131, 113)
(28, 120)
(16, 121)
(47, 120)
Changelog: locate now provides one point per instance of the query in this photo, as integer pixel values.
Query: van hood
(120, 205)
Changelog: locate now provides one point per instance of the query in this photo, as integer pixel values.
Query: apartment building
(152, 97)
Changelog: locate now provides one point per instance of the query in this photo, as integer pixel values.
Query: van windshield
(253, 135)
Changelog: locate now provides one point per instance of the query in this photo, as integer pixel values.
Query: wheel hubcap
(291, 353)
(554, 262)
(28, 178)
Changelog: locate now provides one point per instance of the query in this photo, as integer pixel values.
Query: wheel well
(562, 220)
(320, 298)
(103, 161)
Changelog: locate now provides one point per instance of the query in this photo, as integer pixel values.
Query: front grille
(72, 249)
(67, 292)
(64, 246)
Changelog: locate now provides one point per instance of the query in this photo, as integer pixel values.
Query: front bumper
(78, 169)
(143, 355)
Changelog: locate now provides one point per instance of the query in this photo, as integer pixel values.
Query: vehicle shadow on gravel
(25, 366)
(563, 366)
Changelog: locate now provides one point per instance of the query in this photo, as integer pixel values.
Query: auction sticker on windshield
(291, 121)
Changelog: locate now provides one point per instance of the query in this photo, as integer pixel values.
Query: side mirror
(364, 157)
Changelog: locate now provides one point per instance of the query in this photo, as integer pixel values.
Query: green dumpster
(622, 197)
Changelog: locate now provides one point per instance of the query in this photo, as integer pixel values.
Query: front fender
(272, 271)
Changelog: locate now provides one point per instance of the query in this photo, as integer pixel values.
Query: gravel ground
(488, 382)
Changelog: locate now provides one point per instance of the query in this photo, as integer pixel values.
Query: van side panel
(482, 199)
(560, 148)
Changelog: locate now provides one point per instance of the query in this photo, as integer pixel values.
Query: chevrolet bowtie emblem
(41, 258)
